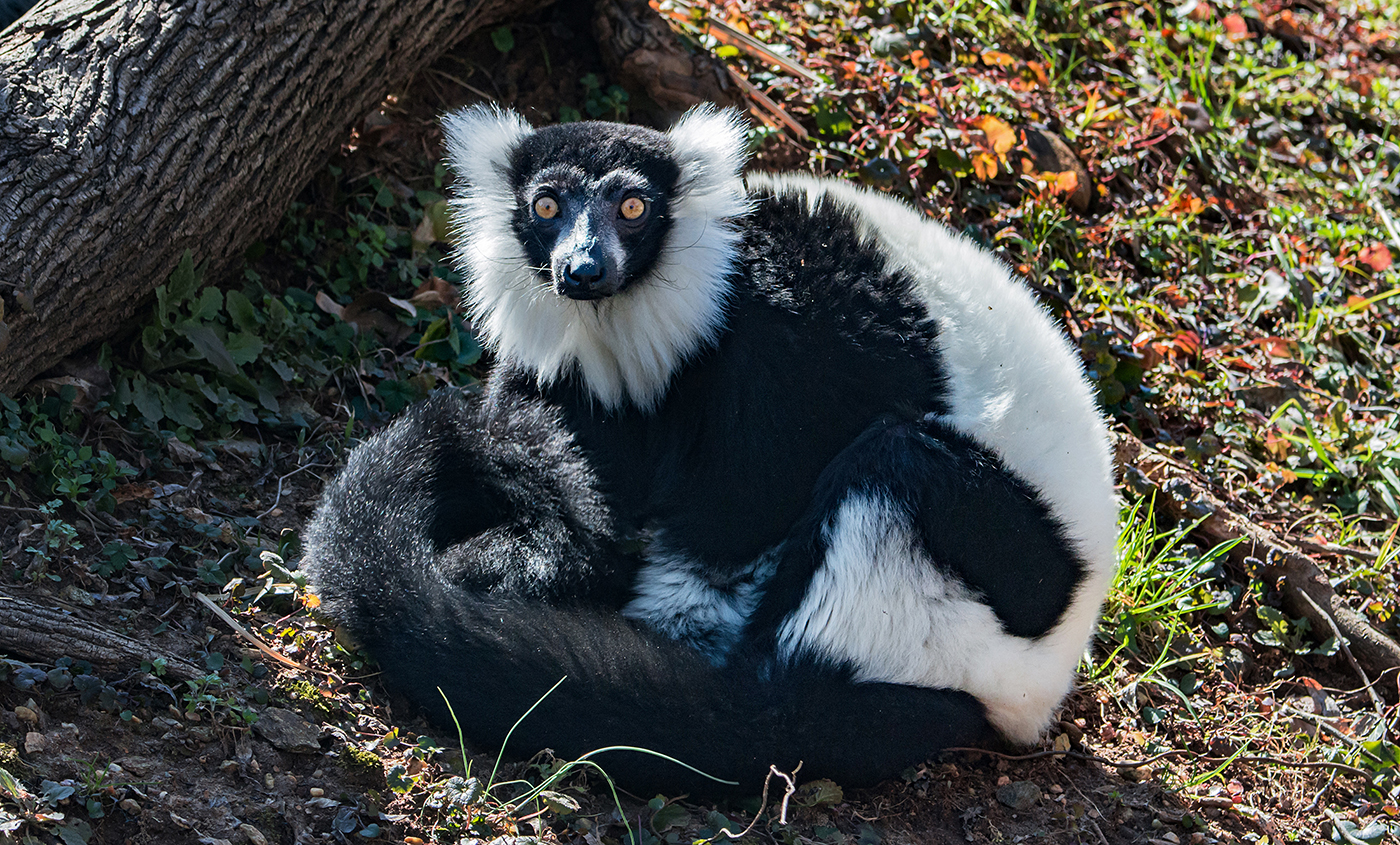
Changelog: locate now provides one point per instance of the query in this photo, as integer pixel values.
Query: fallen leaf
(1376, 256)
(999, 135)
(996, 58)
(984, 166)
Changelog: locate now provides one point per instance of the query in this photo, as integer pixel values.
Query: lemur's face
(592, 204)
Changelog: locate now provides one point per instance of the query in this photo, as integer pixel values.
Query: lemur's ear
(479, 143)
(711, 146)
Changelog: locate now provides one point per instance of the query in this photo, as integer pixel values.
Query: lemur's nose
(584, 278)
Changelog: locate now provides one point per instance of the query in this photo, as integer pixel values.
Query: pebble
(317, 792)
(1019, 795)
(34, 742)
(253, 835)
(24, 714)
(129, 806)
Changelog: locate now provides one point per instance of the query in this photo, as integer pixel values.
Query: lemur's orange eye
(632, 208)
(546, 207)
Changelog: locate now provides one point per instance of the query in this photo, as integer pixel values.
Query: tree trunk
(133, 130)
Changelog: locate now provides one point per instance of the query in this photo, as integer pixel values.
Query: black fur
(493, 585)
(486, 548)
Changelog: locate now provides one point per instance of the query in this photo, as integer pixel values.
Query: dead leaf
(999, 135)
(1376, 256)
(985, 166)
(328, 305)
(996, 58)
(123, 493)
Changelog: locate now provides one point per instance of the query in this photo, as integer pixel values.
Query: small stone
(248, 450)
(288, 731)
(1052, 155)
(317, 792)
(24, 714)
(1019, 795)
(73, 594)
(269, 781)
(129, 806)
(1056, 788)
(180, 451)
(252, 834)
(34, 742)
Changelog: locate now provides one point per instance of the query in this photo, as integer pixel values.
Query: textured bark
(643, 53)
(46, 633)
(1306, 591)
(132, 130)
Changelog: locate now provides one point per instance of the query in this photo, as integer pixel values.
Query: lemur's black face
(593, 203)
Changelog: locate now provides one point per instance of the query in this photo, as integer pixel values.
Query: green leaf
(244, 348)
(210, 303)
(146, 397)
(183, 282)
(244, 316)
(11, 785)
(179, 406)
(669, 816)
(209, 346)
(76, 832)
(503, 39)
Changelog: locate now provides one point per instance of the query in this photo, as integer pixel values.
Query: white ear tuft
(479, 142)
(711, 146)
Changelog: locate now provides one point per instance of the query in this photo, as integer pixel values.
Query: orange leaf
(984, 166)
(996, 58)
(1235, 27)
(1001, 136)
(1376, 256)
(1066, 182)
(918, 60)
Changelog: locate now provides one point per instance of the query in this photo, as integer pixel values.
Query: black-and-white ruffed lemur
(770, 469)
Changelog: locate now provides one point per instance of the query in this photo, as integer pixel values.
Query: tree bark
(48, 633)
(133, 130)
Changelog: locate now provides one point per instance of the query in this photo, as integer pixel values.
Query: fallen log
(133, 131)
(45, 633)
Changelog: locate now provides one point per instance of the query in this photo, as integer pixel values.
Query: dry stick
(1337, 826)
(1376, 699)
(248, 635)
(1175, 752)
(1185, 496)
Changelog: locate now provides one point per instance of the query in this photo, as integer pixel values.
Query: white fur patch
(1016, 387)
(674, 597)
(879, 603)
(628, 346)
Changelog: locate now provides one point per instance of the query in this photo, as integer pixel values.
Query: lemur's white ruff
(627, 346)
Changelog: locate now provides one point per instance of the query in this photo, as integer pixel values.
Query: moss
(303, 696)
(362, 767)
(9, 758)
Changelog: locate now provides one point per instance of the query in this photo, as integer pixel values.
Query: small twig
(1317, 799)
(281, 479)
(1334, 549)
(758, 96)
(1376, 700)
(1341, 831)
(1176, 752)
(250, 637)
(791, 788)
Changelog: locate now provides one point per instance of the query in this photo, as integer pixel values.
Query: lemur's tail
(465, 549)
